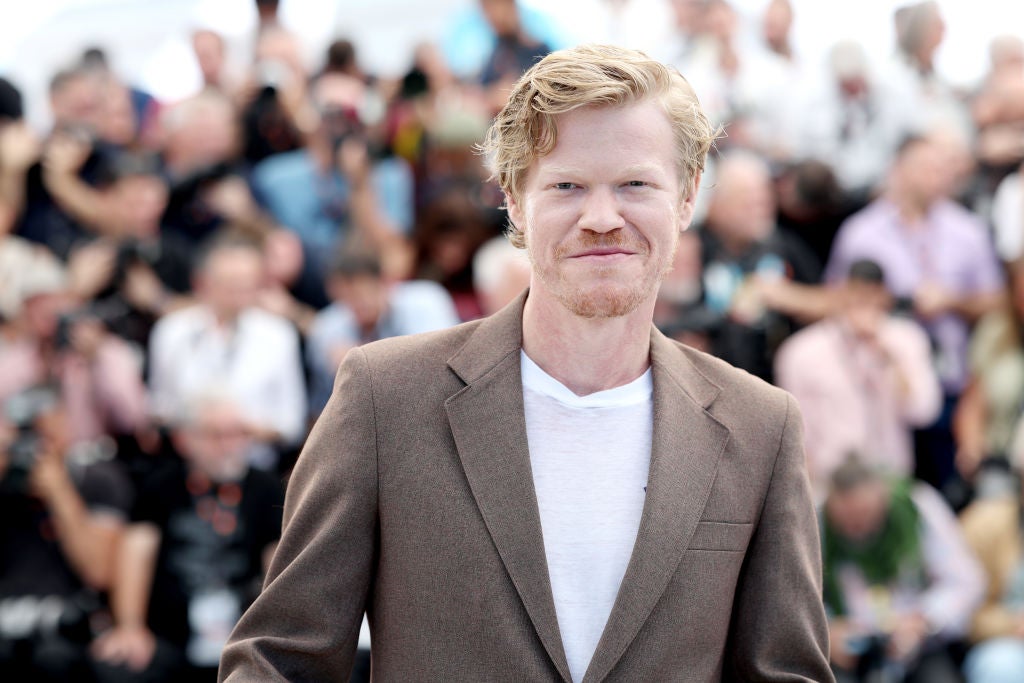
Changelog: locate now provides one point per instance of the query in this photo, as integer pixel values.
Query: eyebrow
(625, 171)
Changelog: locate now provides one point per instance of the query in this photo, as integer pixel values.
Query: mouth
(603, 253)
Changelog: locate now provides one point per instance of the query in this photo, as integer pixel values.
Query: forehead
(638, 133)
(232, 258)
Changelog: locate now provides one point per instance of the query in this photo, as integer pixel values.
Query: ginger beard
(608, 297)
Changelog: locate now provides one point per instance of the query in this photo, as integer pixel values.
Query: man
(332, 192)
(757, 280)
(62, 516)
(366, 307)
(938, 259)
(202, 531)
(863, 379)
(901, 584)
(226, 338)
(853, 122)
(557, 492)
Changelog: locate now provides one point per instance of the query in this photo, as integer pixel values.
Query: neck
(587, 354)
(225, 319)
(911, 210)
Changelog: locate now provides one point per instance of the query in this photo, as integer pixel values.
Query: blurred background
(204, 204)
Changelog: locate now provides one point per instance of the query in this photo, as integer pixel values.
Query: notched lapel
(686, 446)
(489, 427)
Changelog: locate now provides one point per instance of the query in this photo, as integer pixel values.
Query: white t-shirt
(590, 457)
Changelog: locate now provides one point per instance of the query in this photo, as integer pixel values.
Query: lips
(603, 251)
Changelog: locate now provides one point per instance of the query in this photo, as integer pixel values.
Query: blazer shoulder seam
(373, 413)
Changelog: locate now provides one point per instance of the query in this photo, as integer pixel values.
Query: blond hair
(590, 75)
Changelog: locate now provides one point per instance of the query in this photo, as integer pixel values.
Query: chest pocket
(721, 536)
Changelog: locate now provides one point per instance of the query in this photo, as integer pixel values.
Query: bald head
(742, 206)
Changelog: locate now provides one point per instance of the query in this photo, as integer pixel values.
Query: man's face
(865, 305)
(742, 207)
(858, 514)
(365, 295)
(231, 280)
(76, 102)
(216, 443)
(602, 212)
(924, 172)
(138, 204)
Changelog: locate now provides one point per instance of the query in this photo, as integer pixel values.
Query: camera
(22, 411)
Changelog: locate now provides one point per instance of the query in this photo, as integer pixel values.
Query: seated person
(900, 582)
(226, 337)
(62, 515)
(863, 378)
(201, 536)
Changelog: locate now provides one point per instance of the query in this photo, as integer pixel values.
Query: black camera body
(22, 411)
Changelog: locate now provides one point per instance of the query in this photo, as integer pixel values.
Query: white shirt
(1008, 217)
(590, 457)
(257, 362)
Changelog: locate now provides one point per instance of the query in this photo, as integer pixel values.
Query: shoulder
(260, 323)
(961, 220)
(283, 166)
(814, 337)
(328, 321)
(408, 376)
(742, 402)
(413, 294)
(905, 329)
(412, 352)
(871, 218)
(179, 322)
(104, 486)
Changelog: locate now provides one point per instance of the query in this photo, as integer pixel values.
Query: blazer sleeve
(305, 623)
(779, 631)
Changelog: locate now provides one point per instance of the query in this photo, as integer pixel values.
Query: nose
(601, 211)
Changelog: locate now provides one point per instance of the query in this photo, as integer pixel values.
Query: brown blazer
(413, 500)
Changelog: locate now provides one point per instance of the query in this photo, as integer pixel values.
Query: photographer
(54, 340)
(334, 191)
(193, 558)
(62, 514)
(900, 582)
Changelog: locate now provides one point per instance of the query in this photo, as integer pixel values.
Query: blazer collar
(489, 427)
(686, 446)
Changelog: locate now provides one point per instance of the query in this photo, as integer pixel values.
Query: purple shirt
(950, 248)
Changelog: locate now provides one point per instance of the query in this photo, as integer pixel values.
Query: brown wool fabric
(414, 499)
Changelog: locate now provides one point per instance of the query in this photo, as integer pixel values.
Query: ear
(515, 211)
(687, 206)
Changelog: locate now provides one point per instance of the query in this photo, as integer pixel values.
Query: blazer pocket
(723, 536)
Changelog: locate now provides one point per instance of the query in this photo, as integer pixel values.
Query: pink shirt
(851, 399)
(106, 396)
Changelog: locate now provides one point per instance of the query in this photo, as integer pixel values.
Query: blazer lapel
(686, 446)
(489, 427)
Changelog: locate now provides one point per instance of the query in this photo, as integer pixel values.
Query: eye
(636, 183)
(564, 186)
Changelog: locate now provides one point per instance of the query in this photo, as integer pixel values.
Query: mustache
(610, 240)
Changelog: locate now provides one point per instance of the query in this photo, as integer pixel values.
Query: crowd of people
(179, 282)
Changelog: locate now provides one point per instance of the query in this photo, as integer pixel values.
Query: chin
(607, 302)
